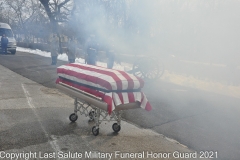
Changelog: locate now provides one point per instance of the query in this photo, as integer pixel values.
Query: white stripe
(81, 81)
(104, 77)
(135, 81)
(116, 99)
(125, 98)
(113, 106)
(137, 96)
(123, 79)
(144, 102)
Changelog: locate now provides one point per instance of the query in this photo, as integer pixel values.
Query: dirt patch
(51, 91)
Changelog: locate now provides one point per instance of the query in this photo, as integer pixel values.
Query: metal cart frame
(94, 108)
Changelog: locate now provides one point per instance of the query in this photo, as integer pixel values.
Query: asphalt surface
(34, 125)
(201, 120)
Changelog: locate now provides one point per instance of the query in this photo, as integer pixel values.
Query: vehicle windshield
(7, 32)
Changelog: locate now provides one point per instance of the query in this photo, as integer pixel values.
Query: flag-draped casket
(112, 86)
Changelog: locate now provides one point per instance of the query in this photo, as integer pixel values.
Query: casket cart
(100, 93)
(148, 68)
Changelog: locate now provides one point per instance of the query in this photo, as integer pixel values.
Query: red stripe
(59, 70)
(89, 78)
(83, 88)
(108, 72)
(148, 107)
(131, 97)
(129, 79)
(108, 100)
(99, 70)
(57, 81)
(120, 97)
(104, 97)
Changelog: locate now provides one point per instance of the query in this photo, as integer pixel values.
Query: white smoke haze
(187, 27)
(192, 37)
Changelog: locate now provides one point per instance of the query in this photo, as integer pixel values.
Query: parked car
(6, 29)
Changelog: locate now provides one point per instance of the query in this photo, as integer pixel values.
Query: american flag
(113, 86)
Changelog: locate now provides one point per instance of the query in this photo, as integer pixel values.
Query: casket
(113, 87)
(100, 78)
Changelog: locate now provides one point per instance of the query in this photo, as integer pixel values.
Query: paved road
(198, 119)
(34, 125)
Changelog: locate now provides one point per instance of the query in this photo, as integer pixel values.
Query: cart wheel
(148, 68)
(73, 117)
(95, 131)
(91, 115)
(116, 127)
(137, 69)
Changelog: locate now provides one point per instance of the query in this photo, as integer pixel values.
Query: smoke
(203, 31)
(109, 25)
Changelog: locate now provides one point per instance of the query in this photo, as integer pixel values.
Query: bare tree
(25, 16)
(57, 11)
